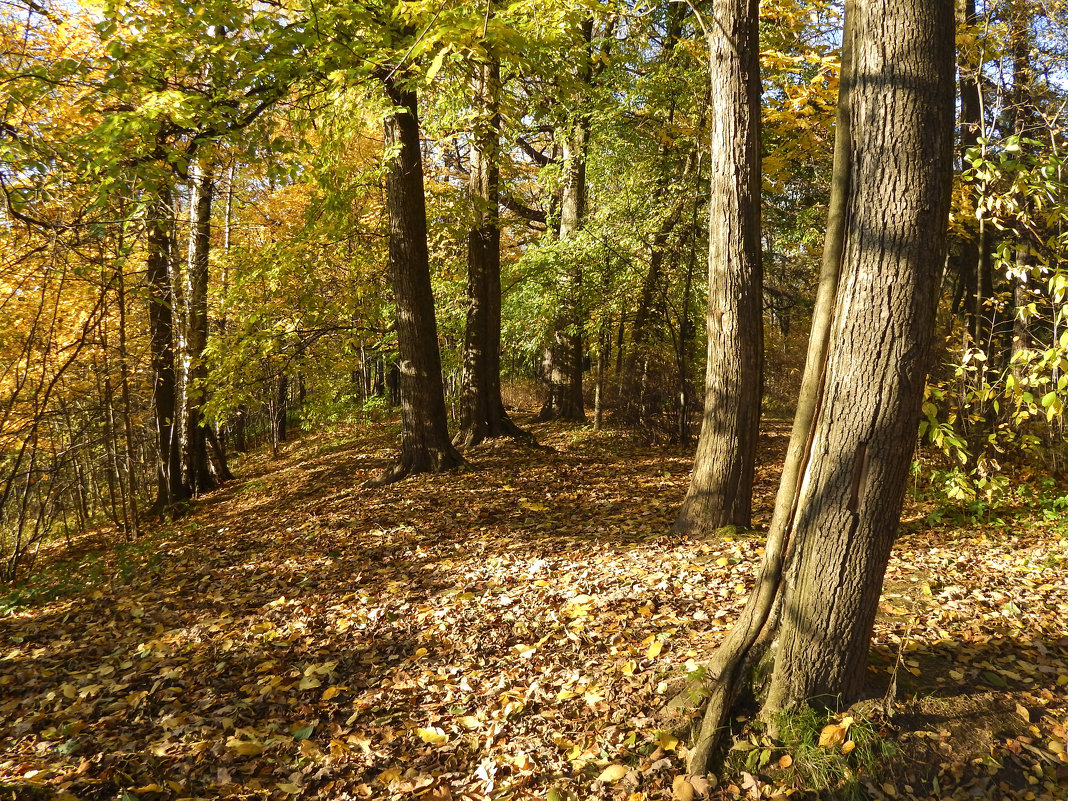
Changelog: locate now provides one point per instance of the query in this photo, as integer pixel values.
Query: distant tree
(482, 412)
(563, 364)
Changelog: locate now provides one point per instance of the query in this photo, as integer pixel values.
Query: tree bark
(169, 486)
(482, 412)
(425, 445)
(196, 467)
(720, 492)
(564, 400)
(840, 498)
(852, 491)
(280, 407)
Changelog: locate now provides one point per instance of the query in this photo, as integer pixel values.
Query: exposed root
(439, 462)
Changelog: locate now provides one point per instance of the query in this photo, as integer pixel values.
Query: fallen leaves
(443, 639)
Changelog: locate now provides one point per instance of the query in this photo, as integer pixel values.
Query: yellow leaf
(785, 761)
(432, 736)
(681, 789)
(667, 741)
(245, 747)
(286, 787)
(389, 776)
(469, 722)
(309, 749)
(832, 736)
(629, 668)
(148, 788)
(655, 649)
(523, 762)
(723, 561)
(331, 692)
(613, 773)
(69, 690)
(848, 746)
(309, 683)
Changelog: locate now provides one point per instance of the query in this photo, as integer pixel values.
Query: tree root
(440, 462)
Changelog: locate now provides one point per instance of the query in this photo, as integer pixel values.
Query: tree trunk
(843, 483)
(195, 465)
(721, 486)
(1024, 127)
(280, 407)
(482, 412)
(425, 445)
(850, 502)
(564, 374)
(170, 489)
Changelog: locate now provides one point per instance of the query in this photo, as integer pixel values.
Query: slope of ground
(508, 631)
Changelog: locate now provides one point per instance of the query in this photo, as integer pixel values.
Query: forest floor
(505, 632)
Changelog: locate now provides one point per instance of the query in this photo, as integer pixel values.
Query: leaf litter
(510, 631)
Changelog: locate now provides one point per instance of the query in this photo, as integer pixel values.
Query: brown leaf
(681, 789)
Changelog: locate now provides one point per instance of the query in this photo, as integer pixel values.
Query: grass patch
(120, 564)
(818, 754)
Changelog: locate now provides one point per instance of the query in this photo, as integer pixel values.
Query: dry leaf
(832, 736)
(681, 789)
(431, 736)
(613, 773)
(667, 740)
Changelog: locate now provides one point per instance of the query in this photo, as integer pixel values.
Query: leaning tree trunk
(170, 489)
(196, 466)
(720, 492)
(840, 499)
(895, 240)
(425, 445)
(482, 412)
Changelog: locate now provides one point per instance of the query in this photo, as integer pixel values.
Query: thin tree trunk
(133, 529)
(280, 408)
(195, 465)
(425, 444)
(564, 400)
(721, 486)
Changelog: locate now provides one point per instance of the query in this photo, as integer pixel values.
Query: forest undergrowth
(509, 631)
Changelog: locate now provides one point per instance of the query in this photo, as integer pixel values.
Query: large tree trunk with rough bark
(721, 486)
(482, 412)
(425, 444)
(169, 486)
(196, 467)
(840, 499)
